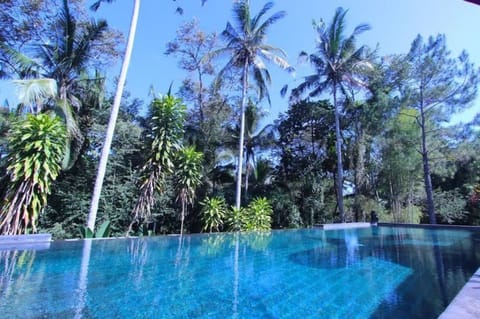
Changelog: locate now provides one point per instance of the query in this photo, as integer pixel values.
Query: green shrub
(214, 211)
(259, 215)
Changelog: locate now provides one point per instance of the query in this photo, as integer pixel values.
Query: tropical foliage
(164, 134)
(213, 213)
(247, 50)
(187, 178)
(338, 64)
(36, 148)
(363, 132)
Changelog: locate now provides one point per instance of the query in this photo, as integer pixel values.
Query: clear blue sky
(394, 26)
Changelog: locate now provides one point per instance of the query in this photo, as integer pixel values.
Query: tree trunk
(92, 216)
(359, 169)
(339, 156)
(426, 169)
(200, 97)
(238, 196)
(247, 175)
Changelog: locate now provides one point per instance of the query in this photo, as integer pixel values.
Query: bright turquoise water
(365, 273)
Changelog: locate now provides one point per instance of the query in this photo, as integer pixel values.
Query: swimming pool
(378, 272)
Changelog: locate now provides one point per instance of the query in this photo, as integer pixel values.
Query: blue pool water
(378, 272)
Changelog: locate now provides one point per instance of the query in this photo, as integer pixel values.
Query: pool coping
(466, 304)
(336, 226)
(25, 242)
(430, 226)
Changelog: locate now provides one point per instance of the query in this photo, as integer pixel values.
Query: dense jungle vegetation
(363, 132)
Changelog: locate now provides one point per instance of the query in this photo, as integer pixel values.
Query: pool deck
(466, 304)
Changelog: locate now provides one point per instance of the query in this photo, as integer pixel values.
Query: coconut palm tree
(337, 63)
(64, 59)
(102, 166)
(256, 138)
(246, 51)
(188, 178)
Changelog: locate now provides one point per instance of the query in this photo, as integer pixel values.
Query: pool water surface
(378, 272)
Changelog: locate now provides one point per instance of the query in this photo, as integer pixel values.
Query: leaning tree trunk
(426, 169)
(92, 216)
(238, 196)
(339, 156)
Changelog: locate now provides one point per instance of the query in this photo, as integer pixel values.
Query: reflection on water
(81, 293)
(369, 273)
(14, 264)
(351, 242)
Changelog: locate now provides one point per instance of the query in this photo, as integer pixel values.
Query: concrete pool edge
(25, 242)
(335, 226)
(466, 304)
(430, 226)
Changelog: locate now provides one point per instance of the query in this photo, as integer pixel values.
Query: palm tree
(337, 63)
(165, 133)
(188, 178)
(255, 138)
(247, 50)
(65, 59)
(102, 166)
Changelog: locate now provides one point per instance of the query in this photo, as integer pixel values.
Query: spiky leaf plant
(37, 146)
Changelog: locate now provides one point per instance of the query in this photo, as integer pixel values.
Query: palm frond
(335, 31)
(263, 11)
(230, 34)
(309, 82)
(263, 28)
(262, 78)
(319, 89)
(94, 31)
(272, 50)
(267, 136)
(277, 60)
(284, 90)
(232, 63)
(216, 53)
(23, 65)
(96, 5)
(241, 13)
(34, 92)
(361, 28)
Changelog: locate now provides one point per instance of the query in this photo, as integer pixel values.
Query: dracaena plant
(213, 213)
(37, 147)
